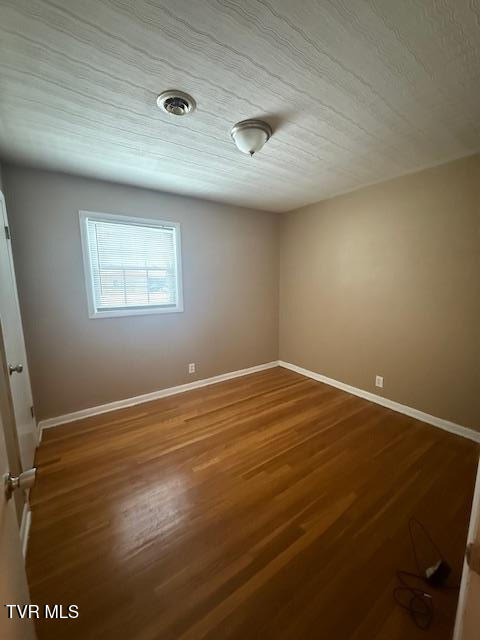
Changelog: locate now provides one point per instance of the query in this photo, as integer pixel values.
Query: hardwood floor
(269, 506)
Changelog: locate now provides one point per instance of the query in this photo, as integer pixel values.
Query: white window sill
(133, 312)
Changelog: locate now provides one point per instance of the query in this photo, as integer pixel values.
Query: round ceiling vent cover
(176, 103)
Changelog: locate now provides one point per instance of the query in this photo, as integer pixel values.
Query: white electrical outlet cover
(379, 381)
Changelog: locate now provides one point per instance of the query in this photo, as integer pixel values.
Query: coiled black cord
(415, 600)
(411, 595)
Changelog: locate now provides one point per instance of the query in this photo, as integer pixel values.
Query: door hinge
(7, 233)
(32, 411)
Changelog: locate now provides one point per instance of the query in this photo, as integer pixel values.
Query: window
(132, 265)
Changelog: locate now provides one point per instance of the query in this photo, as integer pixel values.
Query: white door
(15, 347)
(13, 582)
(467, 626)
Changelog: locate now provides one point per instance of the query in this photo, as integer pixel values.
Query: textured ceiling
(357, 91)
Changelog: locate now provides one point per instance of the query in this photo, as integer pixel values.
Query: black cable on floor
(415, 600)
(411, 595)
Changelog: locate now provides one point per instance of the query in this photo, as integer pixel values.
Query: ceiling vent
(176, 102)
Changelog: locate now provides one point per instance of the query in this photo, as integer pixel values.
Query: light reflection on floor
(149, 512)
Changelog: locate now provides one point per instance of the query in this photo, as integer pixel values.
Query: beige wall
(230, 273)
(386, 280)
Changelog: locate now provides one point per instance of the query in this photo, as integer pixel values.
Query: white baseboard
(162, 393)
(466, 574)
(446, 425)
(148, 397)
(25, 528)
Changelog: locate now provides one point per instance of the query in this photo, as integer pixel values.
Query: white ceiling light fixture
(176, 103)
(251, 135)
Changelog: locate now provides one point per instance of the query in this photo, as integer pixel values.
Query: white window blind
(132, 265)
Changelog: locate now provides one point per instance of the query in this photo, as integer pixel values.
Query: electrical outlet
(191, 367)
(379, 381)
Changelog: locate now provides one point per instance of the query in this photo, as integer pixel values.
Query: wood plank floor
(269, 506)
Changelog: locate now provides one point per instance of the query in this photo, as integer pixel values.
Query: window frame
(93, 312)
